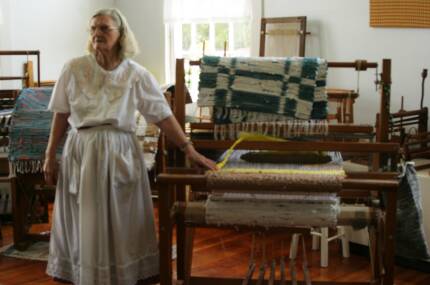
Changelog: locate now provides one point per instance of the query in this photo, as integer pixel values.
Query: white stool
(325, 239)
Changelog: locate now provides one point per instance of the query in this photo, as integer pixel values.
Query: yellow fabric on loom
(336, 172)
(243, 136)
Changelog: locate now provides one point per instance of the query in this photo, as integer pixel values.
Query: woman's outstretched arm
(174, 133)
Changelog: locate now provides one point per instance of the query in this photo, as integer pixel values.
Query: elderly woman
(103, 230)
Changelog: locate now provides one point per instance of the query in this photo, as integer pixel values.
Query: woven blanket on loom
(268, 203)
(29, 131)
(263, 89)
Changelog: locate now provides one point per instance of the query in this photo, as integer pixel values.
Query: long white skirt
(103, 229)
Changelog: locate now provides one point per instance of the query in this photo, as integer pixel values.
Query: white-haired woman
(103, 229)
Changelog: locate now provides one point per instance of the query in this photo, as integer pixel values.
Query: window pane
(202, 34)
(221, 35)
(186, 36)
(242, 35)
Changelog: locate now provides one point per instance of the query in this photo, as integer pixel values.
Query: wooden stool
(325, 239)
(323, 234)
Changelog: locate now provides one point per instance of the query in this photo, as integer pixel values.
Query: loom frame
(301, 20)
(28, 78)
(173, 182)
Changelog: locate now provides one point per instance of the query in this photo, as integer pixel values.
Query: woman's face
(104, 34)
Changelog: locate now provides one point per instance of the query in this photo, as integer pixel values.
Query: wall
(146, 21)
(340, 32)
(57, 28)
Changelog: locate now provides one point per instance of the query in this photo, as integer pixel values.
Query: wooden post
(28, 73)
(19, 213)
(379, 160)
(389, 237)
(184, 236)
(165, 232)
(302, 36)
(385, 100)
(262, 35)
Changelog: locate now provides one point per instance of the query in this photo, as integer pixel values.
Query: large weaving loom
(319, 188)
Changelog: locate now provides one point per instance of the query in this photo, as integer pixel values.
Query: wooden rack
(27, 53)
(301, 32)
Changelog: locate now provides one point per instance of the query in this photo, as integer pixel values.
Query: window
(197, 27)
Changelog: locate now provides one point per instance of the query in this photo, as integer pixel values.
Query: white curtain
(206, 10)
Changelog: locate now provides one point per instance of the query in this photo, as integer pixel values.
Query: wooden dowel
(330, 64)
(261, 273)
(364, 65)
(272, 273)
(407, 113)
(293, 271)
(417, 141)
(283, 276)
(249, 273)
(13, 77)
(19, 52)
(403, 120)
(303, 146)
(419, 154)
(347, 183)
(403, 124)
(338, 128)
(194, 213)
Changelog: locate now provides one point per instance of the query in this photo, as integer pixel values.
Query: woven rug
(263, 89)
(39, 251)
(29, 130)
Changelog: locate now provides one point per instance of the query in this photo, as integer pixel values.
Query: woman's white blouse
(94, 96)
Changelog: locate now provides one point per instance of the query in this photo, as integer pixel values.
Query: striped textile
(264, 205)
(29, 131)
(263, 89)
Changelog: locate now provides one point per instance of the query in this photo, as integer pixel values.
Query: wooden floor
(223, 253)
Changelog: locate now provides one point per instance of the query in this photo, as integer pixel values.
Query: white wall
(57, 28)
(341, 32)
(146, 20)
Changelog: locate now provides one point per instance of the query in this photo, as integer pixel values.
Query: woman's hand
(197, 159)
(50, 168)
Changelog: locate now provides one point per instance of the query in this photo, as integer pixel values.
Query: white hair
(127, 42)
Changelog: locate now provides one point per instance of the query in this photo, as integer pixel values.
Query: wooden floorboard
(223, 253)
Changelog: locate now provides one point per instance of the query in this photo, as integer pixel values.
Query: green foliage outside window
(221, 35)
(202, 33)
(242, 34)
(186, 36)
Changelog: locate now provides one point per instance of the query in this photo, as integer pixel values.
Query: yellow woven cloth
(400, 13)
(236, 172)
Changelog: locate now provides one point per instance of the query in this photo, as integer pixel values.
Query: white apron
(103, 230)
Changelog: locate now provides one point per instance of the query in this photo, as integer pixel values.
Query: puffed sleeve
(59, 102)
(151, 102)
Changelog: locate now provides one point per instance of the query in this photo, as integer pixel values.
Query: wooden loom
(174, 209)
(27, 78)
(7, 101)
(414, 145)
